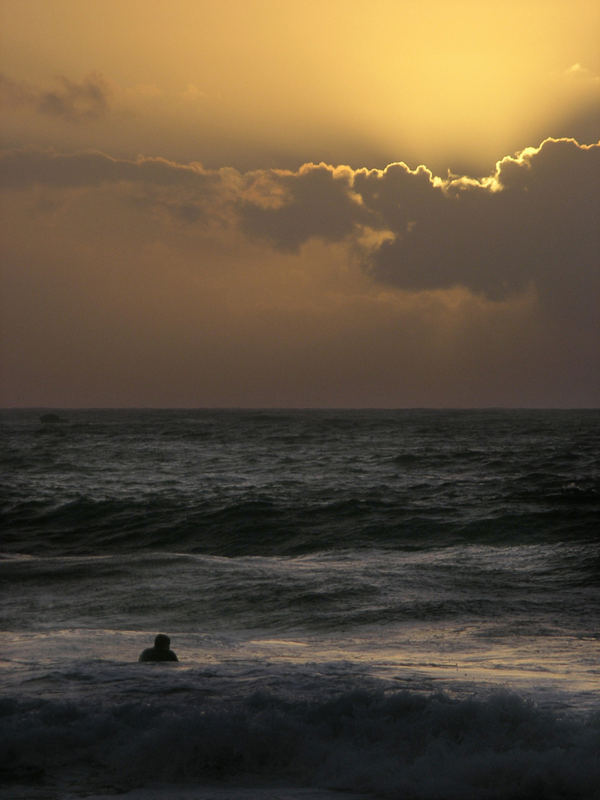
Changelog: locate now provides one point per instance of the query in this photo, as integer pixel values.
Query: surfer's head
(162, 642)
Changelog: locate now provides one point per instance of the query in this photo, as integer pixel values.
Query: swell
(284, 524)
(265, 524)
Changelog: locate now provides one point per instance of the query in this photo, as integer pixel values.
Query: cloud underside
(533, 221)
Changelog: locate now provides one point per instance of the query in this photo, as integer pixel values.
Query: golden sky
(221, 203)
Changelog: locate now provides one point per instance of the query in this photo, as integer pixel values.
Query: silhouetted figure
(160, 651)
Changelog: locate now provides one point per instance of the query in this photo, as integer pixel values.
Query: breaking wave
(392, 745)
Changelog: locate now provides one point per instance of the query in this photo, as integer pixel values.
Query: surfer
(160, 651)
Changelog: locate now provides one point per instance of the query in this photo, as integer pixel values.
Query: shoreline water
(244, 720)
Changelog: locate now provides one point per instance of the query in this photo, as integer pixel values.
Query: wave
(321, 594)
(288, 483)
(263, 524)
(393, 745)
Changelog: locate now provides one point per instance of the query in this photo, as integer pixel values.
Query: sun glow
(435, 83)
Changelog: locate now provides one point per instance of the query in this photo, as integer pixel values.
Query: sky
(292, 203)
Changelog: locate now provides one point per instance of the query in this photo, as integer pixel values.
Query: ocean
(364, 604)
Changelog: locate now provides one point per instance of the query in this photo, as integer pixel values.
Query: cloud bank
(532, 221)
(326, 285)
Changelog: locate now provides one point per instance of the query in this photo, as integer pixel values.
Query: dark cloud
(531, 223)
(315, 202)
(534, 221)
(22, 169)
(86, 100)
(76, 102)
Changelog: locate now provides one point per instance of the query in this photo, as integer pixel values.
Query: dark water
(287, 483)
(401, 603)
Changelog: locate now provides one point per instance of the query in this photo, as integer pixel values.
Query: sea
(399, 604)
